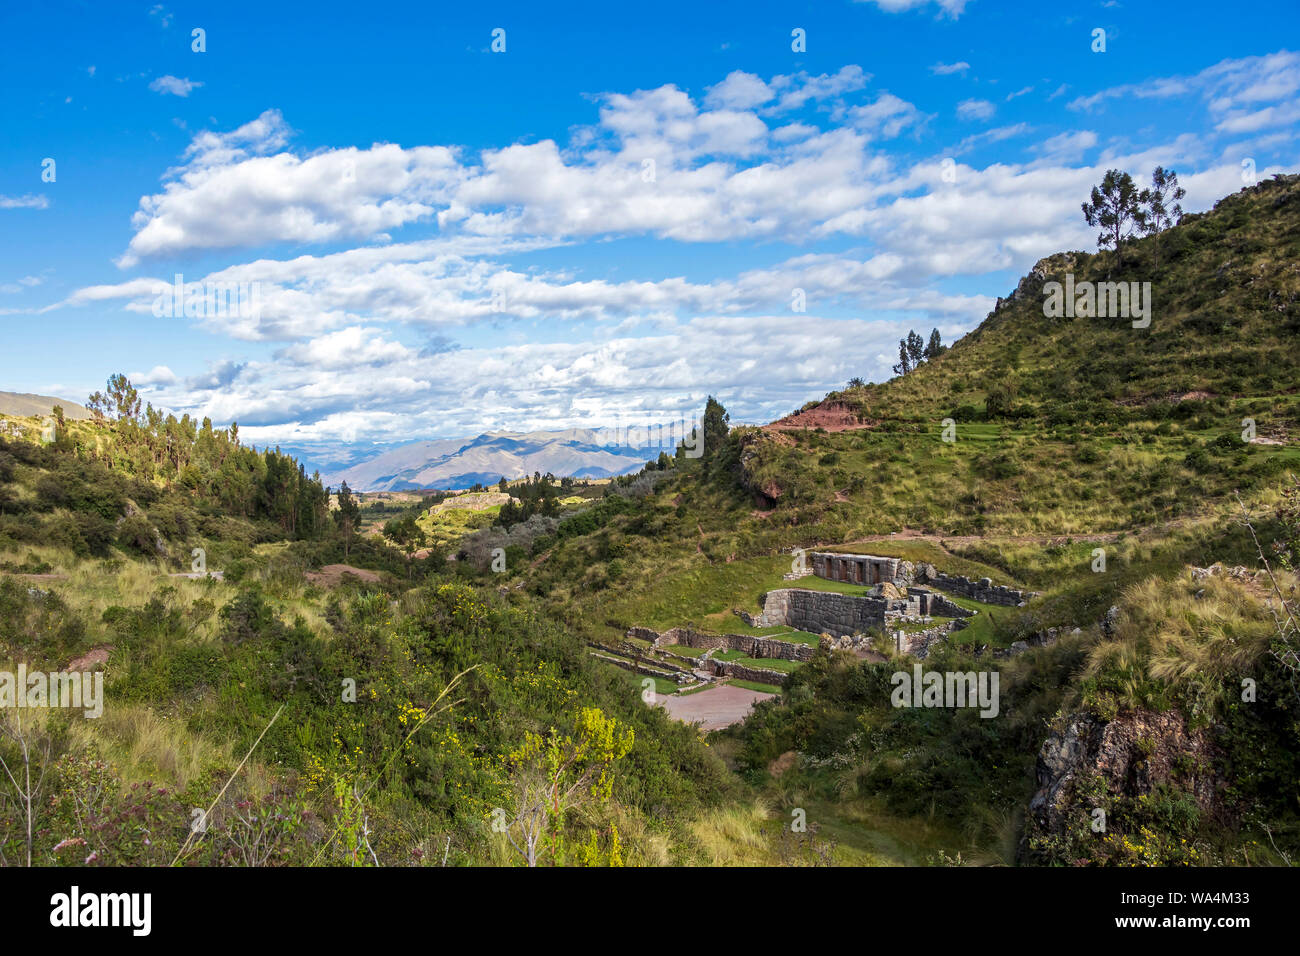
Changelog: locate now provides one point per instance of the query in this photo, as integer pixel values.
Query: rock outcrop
(1133, 755)
(1031, 284)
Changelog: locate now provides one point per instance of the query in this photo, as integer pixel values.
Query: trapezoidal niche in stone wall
(864, 569)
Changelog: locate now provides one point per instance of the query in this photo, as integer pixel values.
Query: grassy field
(446, 528)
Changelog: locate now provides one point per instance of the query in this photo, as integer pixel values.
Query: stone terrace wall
(822, 612)
(933, 603)
(676, 674)
(747, 672)
(771, 647)
(869, 569)
(749, 644)
(917, 643)
(983, 590)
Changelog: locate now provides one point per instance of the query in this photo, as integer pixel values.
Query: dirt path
(910, 534)
(966, 539)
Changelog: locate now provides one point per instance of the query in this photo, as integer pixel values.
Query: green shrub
(136, 535)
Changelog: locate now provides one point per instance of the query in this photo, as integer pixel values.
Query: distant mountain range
(24, 403)
(455, 463)
(448, 463)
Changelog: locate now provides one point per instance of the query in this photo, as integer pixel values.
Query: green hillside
(418, 692)
(390, 713)
(1097, 436)
(1225, 320)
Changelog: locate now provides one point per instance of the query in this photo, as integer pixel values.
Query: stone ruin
(901, 593)
(866, 569)
(901, 600)
(870, 569)
(826, 612)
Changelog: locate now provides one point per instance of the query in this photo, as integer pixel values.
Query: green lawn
(797, 637)
(755, 685)
(980, 629)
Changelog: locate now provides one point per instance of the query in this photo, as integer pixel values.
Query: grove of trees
(147, 445)
(1122, 211)
(913, 350)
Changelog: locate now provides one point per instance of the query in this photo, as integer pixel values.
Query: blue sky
(602, 224)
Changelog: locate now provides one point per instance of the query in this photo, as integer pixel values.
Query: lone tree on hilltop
(1162, 198)
(1117, 208)
(935, 347)
(716, 426)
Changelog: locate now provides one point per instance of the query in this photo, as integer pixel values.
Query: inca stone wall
(864, 569)
(983, 590)
(934, 603)
(917, 643)
(823, 612)
(770, 647)
(747, 672)
(748, 644)
(675, 674)
(870, 569)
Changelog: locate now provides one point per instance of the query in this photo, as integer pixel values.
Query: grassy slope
(1095, 455)
(187, 699)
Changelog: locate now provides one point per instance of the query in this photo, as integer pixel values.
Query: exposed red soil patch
(91, 659)
(831, 417)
